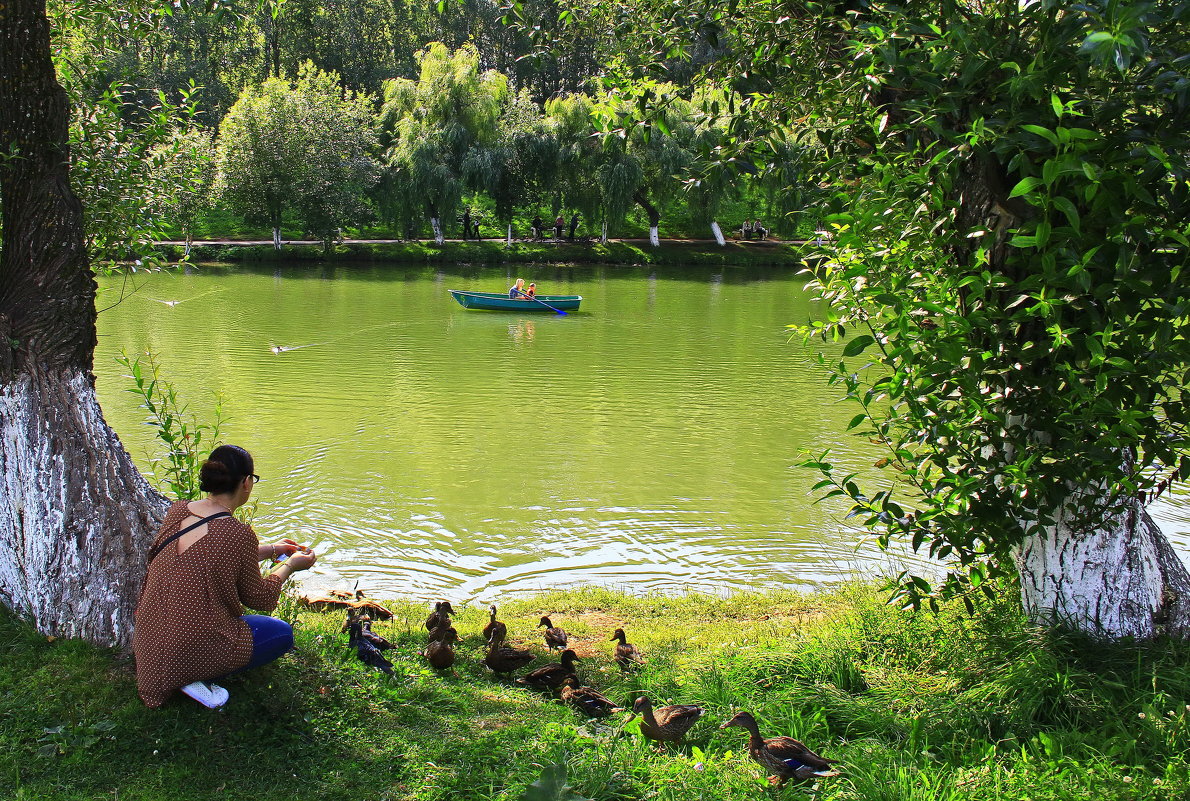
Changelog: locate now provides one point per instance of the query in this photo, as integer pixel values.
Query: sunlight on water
(647, 442)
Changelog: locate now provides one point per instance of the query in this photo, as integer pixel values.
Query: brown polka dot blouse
(188, 626)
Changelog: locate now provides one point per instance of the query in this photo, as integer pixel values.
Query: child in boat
(517, 290)
(532, 293)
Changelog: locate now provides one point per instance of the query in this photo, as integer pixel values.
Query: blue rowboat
(499, 301)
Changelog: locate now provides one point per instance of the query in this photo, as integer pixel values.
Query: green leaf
(857, 345)
(1025, 186)
(552, 786)
(1044, 133)
(1059, 109)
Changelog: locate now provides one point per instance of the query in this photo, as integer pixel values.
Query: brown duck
(494, 630)
(783, 757)
(587, 700)
(627, 654)
(441, 653)
(364, 605)
(442, 609)
(359, 626)
(442, 632)
(667, 724)
(504, 659)
(554, 636)
(551, 677)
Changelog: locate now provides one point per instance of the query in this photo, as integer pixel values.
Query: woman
(517, 290)
(203, 569)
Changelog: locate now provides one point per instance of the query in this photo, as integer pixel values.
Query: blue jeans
(270, 638)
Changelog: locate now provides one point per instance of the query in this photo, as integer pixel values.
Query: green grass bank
(915, 707)
(671, 252)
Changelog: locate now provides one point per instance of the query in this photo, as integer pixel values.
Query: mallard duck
(442, 609)
(366, 652)
(494, 629)
(587, 700)
(441, 653)
(360, 625)
(667, 724)
(627, 655)
(503, 659)
(442, 632)
(550, 677)
(784, 757)
(335, 599)
(554, 636)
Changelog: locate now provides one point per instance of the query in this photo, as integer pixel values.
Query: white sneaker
(212, 696)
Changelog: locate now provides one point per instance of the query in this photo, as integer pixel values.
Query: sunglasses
(255, 478)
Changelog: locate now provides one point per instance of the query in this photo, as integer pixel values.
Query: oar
(543, 303)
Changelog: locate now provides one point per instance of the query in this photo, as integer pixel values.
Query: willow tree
(432, 126)
(1007, 270)
(570, 119)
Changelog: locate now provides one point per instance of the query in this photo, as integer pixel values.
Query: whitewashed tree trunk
(654, 237)
(436, 225)
(508, 240)
(603, 235)
(276, 239)
(1121, 580)
(718, 232)
(74, 522)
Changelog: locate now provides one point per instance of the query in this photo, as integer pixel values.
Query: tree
(1007, 260)
(188, 161)
(432, 126)
(75, 515)
(305, 146)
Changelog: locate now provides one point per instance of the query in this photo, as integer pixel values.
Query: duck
(494, 628)
(368, 653)
(667, 724)
(359, 625)
(374, 610)
(554, 636)
(441, 609)
(551, 677)
(784, 757)
(443, 631)
(335, 599)
(505, 659)
(627, 654)
(587, 700)
(441, 653)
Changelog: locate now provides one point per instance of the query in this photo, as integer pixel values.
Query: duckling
(784, 757)
(441, 653)
(554, 636)
(667, 724)
(359, 625)
(494, 628)
(441, 609)
(587, 700)
(550, 677)
(368, 653)
(627, 654)
(504, 659)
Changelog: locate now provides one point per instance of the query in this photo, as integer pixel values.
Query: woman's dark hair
(224, 469)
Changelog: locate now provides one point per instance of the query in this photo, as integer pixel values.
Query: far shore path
(299, 242)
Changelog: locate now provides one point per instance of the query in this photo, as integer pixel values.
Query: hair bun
(215, 477)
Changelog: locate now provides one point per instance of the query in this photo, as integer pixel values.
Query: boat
(499, 301)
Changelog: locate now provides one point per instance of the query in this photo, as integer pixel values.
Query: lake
(648, 442)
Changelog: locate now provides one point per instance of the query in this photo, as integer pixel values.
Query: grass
(494, 252)
(927, 708)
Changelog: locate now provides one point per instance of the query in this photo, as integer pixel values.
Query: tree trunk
(436, 225)
(1121, 580)
(718, 232)
(276, 237)
(75, 515)
(603, 235)
(508, 241)
(654, 218)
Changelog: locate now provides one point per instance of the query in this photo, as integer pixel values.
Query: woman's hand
(285, 547)
(303, 559)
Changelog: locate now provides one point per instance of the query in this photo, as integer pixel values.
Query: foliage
(304, 145)
(187, 440)
(922, 707)
(187, 165)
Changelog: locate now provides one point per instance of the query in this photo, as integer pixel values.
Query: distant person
(559, 224)
(203, 569)
(532, 292)
(475, 228)
(573, 225)
(537, 232)
(746, 229)
(466, 223)
(517, 290)
(759, 231)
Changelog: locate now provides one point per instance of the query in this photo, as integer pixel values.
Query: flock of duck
(783, 757)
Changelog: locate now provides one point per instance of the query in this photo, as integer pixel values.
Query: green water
(647, 442)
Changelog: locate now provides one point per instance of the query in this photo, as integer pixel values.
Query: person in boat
(532, 291)
(517, 290)
(203, 569)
